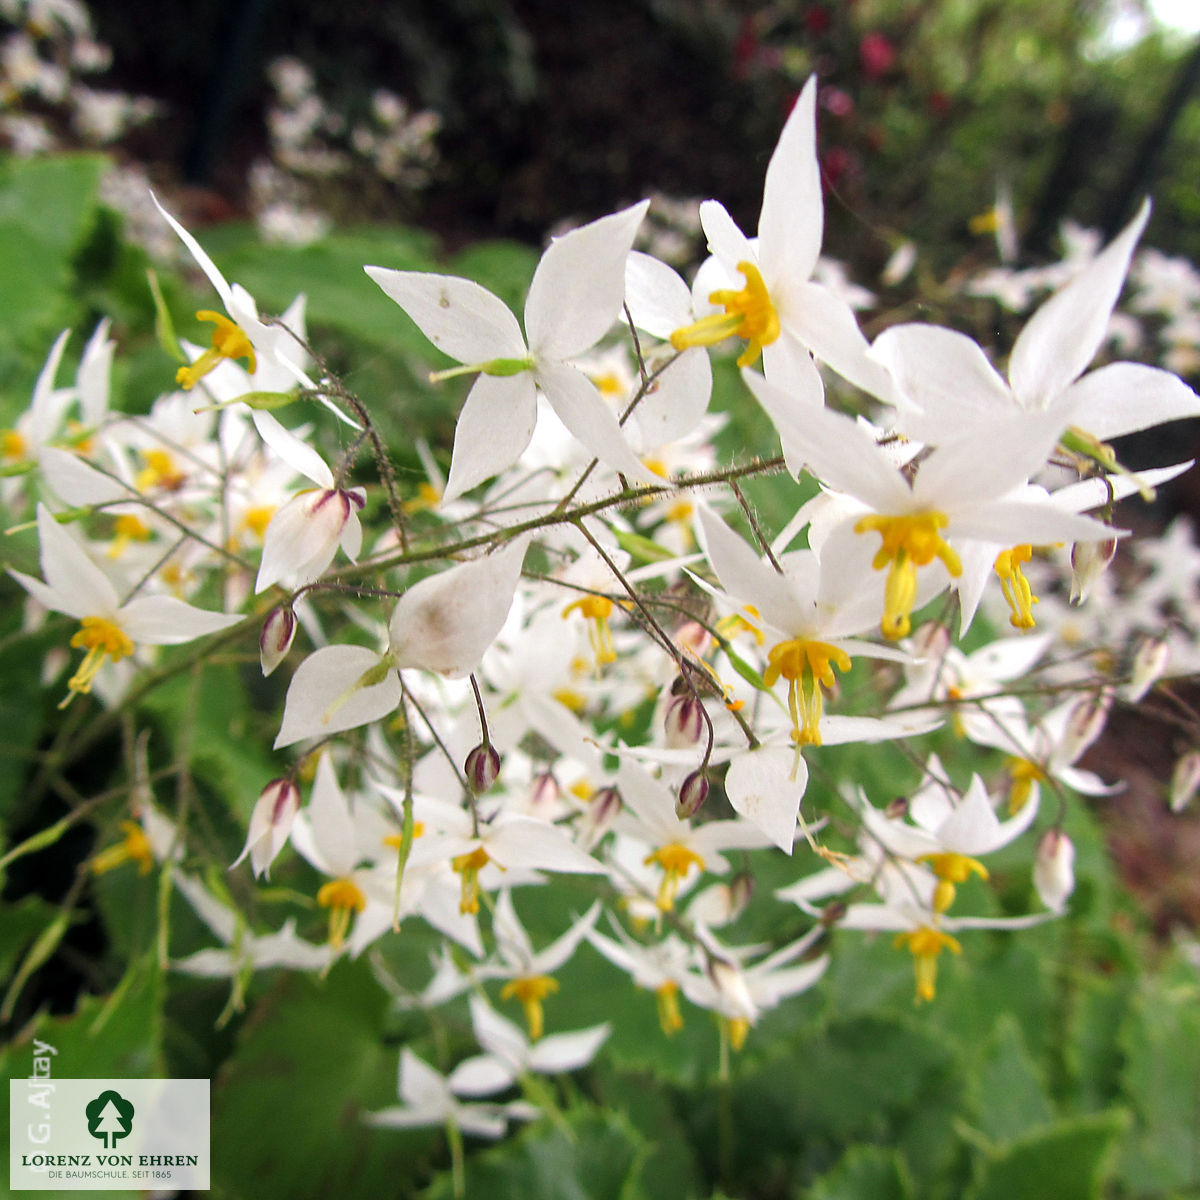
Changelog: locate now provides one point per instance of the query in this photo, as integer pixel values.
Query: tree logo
(109, 1117)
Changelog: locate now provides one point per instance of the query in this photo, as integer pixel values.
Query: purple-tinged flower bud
(1089, 560)
(275, 640)
(931, 640)
(693, 792)
(685, 723)
(1085, 723)
(482, 768)
(1185, 781)
(741, 889)
(601, 813)
(897, 809)
(270, 824)
(833, 912)
(1054, 870)
(544, 794)
(1150, 658)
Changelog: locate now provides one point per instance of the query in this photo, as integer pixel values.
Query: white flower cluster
(478, 654)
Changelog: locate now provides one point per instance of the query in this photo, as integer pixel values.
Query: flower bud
(602, 812)
(482, 768)
(544, 794)
(1150, 658)
(897, 809)
(270, 824)
(275, 640)
(741, 889)
(1089, 560)
(1185, 781)
(1085, 723)
(684, 722)
(931, 640)
(1054, 869)
(693, 792)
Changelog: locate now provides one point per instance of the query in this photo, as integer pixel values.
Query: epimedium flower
(573, 300)
(109, 630)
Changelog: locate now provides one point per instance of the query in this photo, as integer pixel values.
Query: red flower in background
(876, 54)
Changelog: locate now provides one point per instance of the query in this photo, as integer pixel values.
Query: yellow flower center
(257, 518)
(101, 639)
(951, 870)
(135, 845)
(748, 314)
(1024, 775)
(925, 944)
(127, 528)
(1016, 587)
(735, 623)
(160, 471)
(12, 445)
(909, 542)
(531, 991)
(468, 866)
(806, 666)
(229, 340)
(596, 610)
(343, 897)
(676, 860)
(738, 1029)
(609, 383)
(669, 1016)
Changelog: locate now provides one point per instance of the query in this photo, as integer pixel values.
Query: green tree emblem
(109, 1117)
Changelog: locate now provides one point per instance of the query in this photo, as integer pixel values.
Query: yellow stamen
(951, 870)
(597, 610)
(909, 542)
(608, 383)
(676, 861)
(256, 519)
(396, 840)
(748, 314)
(669, 1016)
(806, 666)
(160, 471)
(468, 866)
(427, 497)
(735, 623)
(102, 639)
(343, 897)
(738, 1029)
(13, 445)
(1024, 774)
(569, 698)
(135, 845)
(229, 340)
(925, 944)
(127, 528)
(1016, 587)
(531, 991)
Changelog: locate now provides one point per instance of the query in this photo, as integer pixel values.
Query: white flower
(109, 629)
(573, 300)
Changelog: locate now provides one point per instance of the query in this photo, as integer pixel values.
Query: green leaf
(601, 1159)
(288, 1106)
(1161, 1080)
(1070, 1160)
(45, 207)
(1010, 1098)
(864, 1171)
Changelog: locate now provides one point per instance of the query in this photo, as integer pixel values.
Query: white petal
(166, 621)
(788, 365)
(294, 451)
(1125, 397)
(329, 821)
(1062, 337)
(494, 427)
(81, 589)
(584, 412)
(527, 842)
(447, 621)
(945, 374)
(579, 285)
(498, 1035)
(793, 212)
(205, 263)
(659, 301)
(483, 1075)
(301, 538)
(725, 240)
(458, 316)
(76, 483)
(323, 697)
(567, 1051)
(766, 786)
(677, 400)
